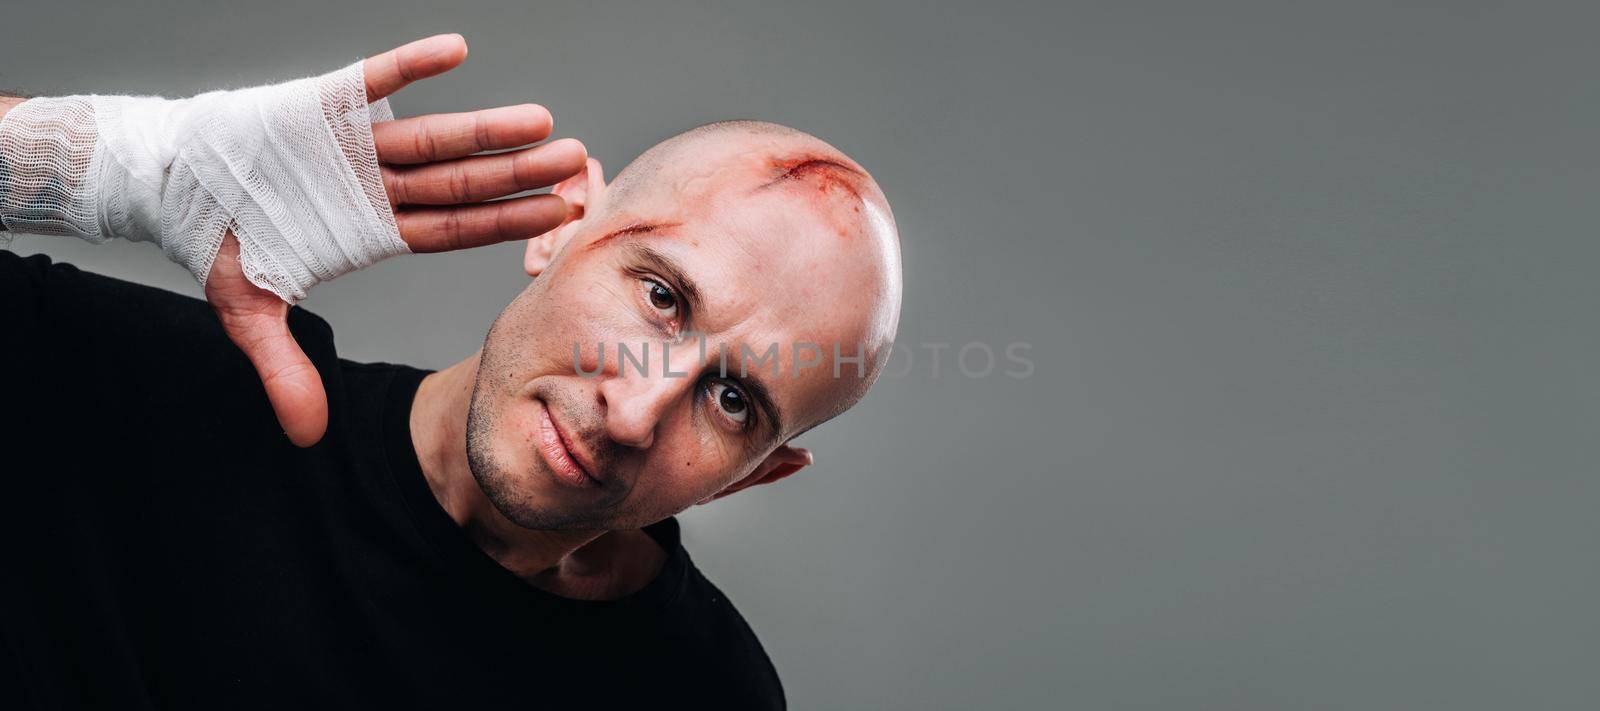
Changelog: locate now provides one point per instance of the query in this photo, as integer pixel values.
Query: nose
(636, 399)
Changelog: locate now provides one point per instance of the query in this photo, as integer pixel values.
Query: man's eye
(661, 297)
(731, 401)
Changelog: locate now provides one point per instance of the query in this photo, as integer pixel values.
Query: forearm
(7, 101)
(290, 169)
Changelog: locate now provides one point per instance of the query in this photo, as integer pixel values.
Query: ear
(783, 461)
(580, 191)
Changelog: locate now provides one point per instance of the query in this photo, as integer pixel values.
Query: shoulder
(47, 284)
(748, 679)
(714, 630)
(131, 351)
(66, 302)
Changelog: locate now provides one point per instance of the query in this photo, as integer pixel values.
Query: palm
(444, 199)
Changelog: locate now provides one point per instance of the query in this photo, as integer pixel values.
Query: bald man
(497, 532)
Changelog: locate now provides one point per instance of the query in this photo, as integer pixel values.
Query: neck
(438, 429)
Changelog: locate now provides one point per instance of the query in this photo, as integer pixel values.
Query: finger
(294, 387)
(436, 137)
(391, 71)
(485, 177)
(451, 228)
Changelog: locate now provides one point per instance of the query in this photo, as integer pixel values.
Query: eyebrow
(670, 269)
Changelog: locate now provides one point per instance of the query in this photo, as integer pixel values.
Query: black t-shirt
(165, 546)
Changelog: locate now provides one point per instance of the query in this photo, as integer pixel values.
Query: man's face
(749, 250)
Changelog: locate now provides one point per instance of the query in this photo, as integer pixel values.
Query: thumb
(294, 387)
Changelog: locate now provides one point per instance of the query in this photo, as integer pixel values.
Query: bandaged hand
(262, 193)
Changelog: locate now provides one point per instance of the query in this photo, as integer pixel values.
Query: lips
(558, 452)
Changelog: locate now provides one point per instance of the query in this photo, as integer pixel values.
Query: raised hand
(438, 188)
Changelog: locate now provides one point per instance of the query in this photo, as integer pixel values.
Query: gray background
(1309, 289)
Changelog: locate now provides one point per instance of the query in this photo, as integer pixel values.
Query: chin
(523, 492)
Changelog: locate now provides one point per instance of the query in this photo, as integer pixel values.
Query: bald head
(644, 171)
(768, 151)
(756, 270)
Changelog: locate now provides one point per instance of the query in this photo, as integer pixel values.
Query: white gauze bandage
(290, 168)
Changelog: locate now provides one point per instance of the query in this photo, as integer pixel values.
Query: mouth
(558, 452)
